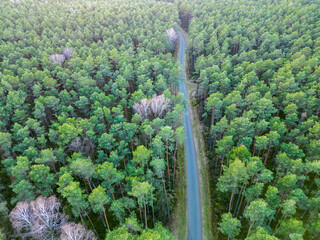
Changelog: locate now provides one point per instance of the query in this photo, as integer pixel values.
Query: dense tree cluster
(71, 72)
(256, 66)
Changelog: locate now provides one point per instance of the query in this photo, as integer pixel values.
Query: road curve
(194, 208)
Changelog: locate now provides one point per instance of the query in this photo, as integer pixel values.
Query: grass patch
(179, 224)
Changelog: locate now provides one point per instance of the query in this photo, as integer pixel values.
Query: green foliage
(257, 90)
(69, 128)
(229, 226)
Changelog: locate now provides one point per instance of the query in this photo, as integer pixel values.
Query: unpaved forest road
(194, 208)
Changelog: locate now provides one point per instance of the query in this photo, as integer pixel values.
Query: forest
(90, 119)
(91, 122)
(256, 69)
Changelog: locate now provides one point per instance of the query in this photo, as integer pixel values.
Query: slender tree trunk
(53, 166)
(174, 160)
(80, 216)
(250, 229)
(89, 185)
(311, 216)
(102, 219)
(276, 216)
(105, 217)
(221, 165)
(140, 212)
(165, 192)
(235, 209)
(239, 206)
(90, 222)
(153, 215)
(305, 211)
(169, 183)
(231, 198)
(312, 182)
(174, 171)
(215, 168)
(212, 118)
(266, 158)
(145, 214)
(85, 185)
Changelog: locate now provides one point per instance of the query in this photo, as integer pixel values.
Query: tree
(82, 167)
(97, 199)
(141, 156)
(261, 234)
(120, 233)
(5, 144)
(72, 231)
(108, 175)
(24, 190)
(229, 226)
(75, 197)
(47, 156)
(233, 176)
(118, 209)
(43, 179)
(39, 219)
(263, 108)
(143, 191)
(158, 167)
(213, 104)
(290, 226)
(166, 133)
(257, 212)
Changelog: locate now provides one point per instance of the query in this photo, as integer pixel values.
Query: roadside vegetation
(256, 69)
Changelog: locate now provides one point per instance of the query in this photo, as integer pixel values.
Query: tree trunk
(174, 160)
(266, 158)
(168, 164)
(145, 214)
(105, 217)
(231, 199)
(81, 216)
(239, 206)
(89, 185)
(90, 222)
(250, 229)
(53, 166)
(165, 192)
(235, 209)
(140, 212)
(212, 118)
(221, 165)
(313, 182)
(153, 215)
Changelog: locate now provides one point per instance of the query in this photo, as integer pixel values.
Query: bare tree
(172, 34)
(159, 104)
(142, 108)
(15, 1)
(67, 52)
(155, 107)
(39, 219)
(72, 231)
(60, 58)
(85, 146)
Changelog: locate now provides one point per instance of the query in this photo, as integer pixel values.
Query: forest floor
(206, 206)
